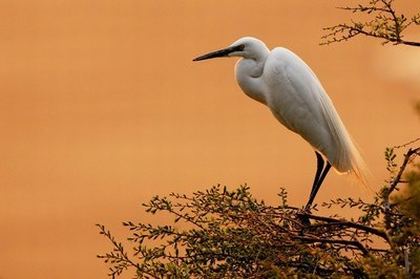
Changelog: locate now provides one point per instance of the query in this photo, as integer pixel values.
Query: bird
(282, 81)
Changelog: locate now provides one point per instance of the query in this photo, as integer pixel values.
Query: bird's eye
(239, 47)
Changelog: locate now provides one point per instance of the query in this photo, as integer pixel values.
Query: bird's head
(246, 47)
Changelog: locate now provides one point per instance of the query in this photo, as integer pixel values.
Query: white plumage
(282, 81)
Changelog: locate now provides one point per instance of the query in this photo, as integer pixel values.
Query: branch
(397, 178)
(354, 243)
(119, 256)
(335, 222)
(386, 24)
(409, 43)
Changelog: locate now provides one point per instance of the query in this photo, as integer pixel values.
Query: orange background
(101, 107)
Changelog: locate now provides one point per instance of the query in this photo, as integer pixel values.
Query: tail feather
(346, 158)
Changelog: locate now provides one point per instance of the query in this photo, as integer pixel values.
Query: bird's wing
(298, 100)
(295, 95)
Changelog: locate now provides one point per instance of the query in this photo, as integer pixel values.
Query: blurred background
(101, 108)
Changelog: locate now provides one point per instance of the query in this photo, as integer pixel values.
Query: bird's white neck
(248, 74)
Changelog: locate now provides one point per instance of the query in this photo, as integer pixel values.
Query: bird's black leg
(319, 167)
(318, 185)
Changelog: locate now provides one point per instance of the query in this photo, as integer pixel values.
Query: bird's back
(298, 100)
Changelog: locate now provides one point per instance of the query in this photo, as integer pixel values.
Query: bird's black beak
(220, 53)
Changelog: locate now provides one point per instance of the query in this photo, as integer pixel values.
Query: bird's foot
(304, 218)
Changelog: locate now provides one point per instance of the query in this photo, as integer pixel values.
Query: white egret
(282, 81)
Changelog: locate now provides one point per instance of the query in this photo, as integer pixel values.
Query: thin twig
(406, 144)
